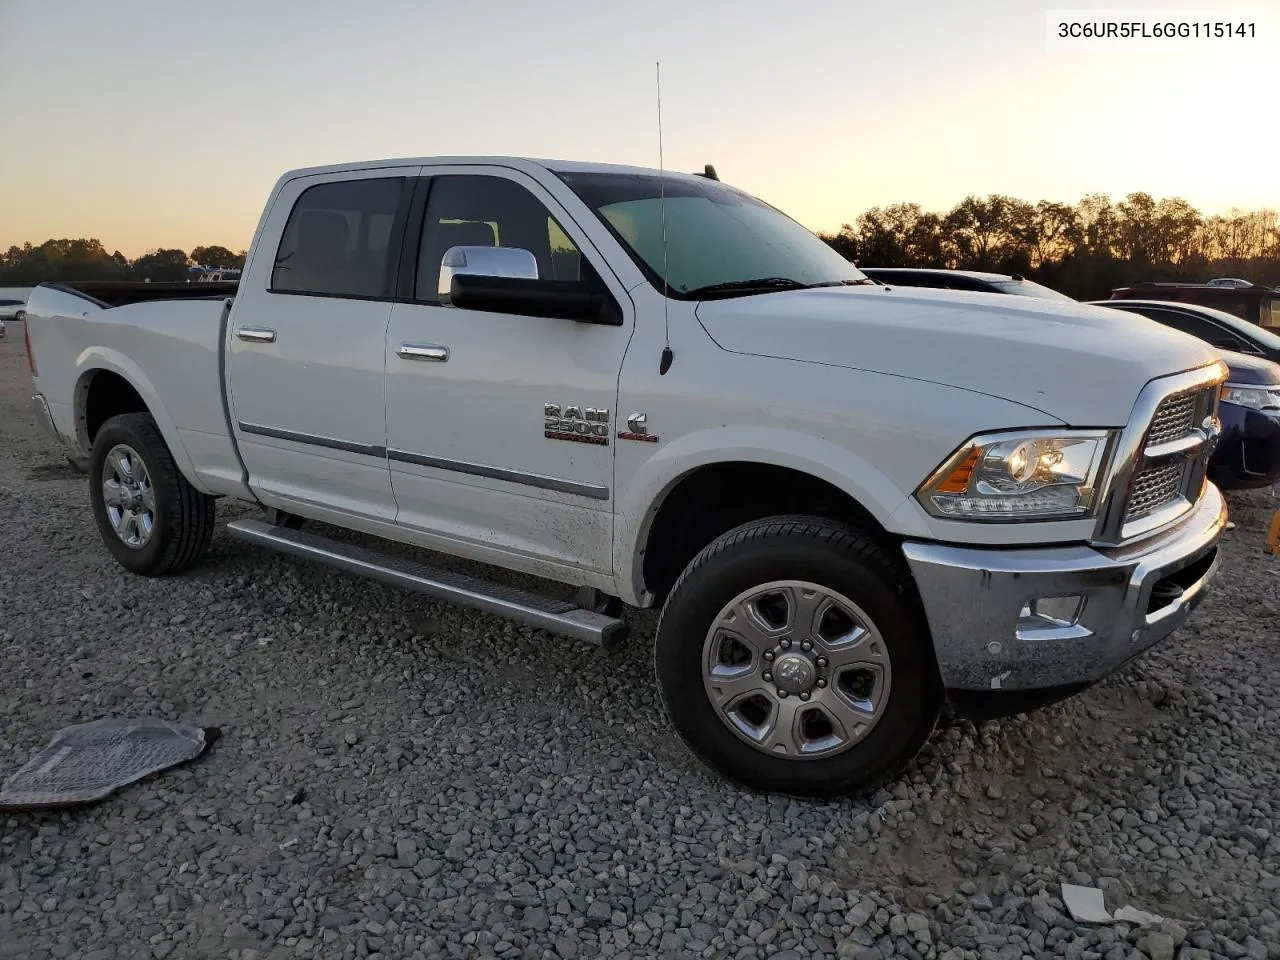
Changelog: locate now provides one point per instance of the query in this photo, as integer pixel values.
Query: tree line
(1083, 249)
(27, 265)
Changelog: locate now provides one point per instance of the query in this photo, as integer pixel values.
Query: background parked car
(962, 280)
(1224, 330)
(1248, 454)
(10, 310)
(1259, 305)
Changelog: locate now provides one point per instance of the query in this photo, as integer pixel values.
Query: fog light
(1060, 611)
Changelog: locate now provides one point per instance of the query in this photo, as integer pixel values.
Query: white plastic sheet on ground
(89, 761)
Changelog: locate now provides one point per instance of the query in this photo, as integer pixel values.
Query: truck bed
(165, 341)
(119, 293)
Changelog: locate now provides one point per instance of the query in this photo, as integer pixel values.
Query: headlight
(1028, 475)
(1255, 398)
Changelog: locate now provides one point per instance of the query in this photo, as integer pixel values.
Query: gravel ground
(398, 778)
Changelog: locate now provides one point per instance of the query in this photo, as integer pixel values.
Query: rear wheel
(151, 519)
(792, 658)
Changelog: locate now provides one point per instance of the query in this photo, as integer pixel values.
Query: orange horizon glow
(157, 130)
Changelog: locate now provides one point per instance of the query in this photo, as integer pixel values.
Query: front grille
(1175, 418)
(1153, 488)
(1160, 481)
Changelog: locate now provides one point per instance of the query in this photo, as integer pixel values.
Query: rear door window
(338, 240)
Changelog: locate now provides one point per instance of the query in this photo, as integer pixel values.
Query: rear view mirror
(503, 262)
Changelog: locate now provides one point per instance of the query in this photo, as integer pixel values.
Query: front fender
(95, 359)
(657, 477)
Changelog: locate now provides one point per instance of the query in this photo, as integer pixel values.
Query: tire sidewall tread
(184, 515)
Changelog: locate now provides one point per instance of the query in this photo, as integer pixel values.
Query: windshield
(1026, 288)
(716, 235)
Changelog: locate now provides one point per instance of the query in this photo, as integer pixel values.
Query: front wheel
(151, 519)
(792, 658)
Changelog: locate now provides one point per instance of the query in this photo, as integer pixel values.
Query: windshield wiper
(756, 285)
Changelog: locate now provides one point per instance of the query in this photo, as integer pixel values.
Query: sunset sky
(150, 124)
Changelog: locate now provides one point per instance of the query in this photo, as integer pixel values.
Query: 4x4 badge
(637, 429)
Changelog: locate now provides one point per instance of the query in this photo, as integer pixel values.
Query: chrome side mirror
(508, 262)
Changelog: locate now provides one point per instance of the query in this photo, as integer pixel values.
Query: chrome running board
(554, 616)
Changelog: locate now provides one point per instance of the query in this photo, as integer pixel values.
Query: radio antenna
(667, 355)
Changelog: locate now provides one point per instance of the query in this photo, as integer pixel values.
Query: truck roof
(555, 166)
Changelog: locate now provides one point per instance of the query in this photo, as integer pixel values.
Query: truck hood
(1081, 364)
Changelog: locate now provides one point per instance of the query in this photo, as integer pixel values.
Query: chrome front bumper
(980, 601)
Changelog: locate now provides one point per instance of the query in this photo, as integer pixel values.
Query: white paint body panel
(484, 407)
(322, 376)
(168, 351)
(866, 388)
(1073, 361)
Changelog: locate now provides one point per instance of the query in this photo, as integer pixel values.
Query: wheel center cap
(794, 672)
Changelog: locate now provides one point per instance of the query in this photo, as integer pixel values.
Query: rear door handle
(423, 351)
(257, 334)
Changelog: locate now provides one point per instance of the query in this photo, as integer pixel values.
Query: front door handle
(257, 334)
(423, 351)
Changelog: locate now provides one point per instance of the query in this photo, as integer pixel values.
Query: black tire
(183, 516)
(819, 551)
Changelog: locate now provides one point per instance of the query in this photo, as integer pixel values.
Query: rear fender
(96, 359)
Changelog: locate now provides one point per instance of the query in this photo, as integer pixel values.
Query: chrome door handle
(257, 334)
(423, 351)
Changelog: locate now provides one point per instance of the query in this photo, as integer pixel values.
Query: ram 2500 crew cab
(852, 503)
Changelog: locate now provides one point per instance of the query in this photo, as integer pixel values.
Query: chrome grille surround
(1157, 472)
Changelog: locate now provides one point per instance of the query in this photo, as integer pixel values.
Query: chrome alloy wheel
(128, 496)
(796, 670)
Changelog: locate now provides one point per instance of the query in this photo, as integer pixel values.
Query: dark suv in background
(1257, 304)
(1248, 453)
(1226, 331)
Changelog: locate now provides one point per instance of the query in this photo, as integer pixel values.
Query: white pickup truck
(854, 504)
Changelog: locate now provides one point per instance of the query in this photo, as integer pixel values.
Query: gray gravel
(404, 779)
